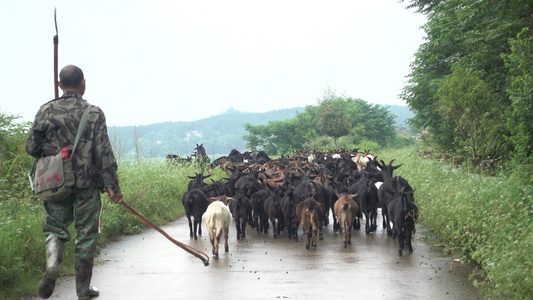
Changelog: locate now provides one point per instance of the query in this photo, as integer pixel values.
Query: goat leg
(195, 229)
(243, 230)
(226, 246)
(238, 228)
(320, 235)
(190, 226)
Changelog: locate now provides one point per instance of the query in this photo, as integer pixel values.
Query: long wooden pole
(199, 254)
(56, 44)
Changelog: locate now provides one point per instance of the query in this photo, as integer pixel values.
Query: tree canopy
(334, 117)
(488, 42)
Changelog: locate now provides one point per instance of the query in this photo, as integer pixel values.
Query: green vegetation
(219, 134)
(347, 122)
(486, 44)
(485, 220)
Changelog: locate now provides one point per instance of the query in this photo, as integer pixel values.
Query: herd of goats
(285, 192)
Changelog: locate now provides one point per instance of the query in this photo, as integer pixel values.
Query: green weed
(485, 219)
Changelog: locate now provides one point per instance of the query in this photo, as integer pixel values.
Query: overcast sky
(155, 61)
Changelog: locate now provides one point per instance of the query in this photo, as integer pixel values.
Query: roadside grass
(153, 188)
(486, 220)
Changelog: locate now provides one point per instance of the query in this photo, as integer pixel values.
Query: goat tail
(345, 206)
(191, 198)
(312, 189)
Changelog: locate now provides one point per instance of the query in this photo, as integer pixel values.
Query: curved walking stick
(56, 43)
(199, 254)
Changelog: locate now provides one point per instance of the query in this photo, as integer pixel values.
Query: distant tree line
(471, 84)
(345, 121)
(219, 134)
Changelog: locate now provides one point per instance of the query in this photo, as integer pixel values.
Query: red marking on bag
(56, 177)
(48, 179)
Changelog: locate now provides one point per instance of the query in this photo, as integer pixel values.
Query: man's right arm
(34, 144)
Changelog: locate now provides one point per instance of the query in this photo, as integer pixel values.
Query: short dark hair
(70, 76)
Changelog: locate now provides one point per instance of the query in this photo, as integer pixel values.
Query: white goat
(218, 219)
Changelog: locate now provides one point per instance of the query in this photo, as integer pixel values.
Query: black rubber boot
(84, 273)
(90, 293)
(54, 255)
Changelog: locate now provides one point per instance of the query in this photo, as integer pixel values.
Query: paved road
(148, 266)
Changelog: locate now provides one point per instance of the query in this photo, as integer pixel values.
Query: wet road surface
(148, 266)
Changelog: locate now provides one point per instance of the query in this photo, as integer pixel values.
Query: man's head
(71, 79)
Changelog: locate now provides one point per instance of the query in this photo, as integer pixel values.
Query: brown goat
(346, 211)
(308, 211)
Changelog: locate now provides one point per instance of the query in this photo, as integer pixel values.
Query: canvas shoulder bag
(53, 176)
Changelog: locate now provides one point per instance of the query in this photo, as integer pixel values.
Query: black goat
(288, 207)
(403, 213)
(241, 209)
(216, 188)
(368, 201)
(387, 192)
(272, 208)
(248, 184)
(197, 181)
(387, 170)
(195, 203)
(260, 218)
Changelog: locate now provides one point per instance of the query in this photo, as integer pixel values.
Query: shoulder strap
(80, 127)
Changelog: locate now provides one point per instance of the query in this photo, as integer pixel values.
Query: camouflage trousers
(83, 207)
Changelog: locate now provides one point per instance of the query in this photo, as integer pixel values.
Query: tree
(472, 34)
(333, 120)
(423, 6)
(520, 89)
(137, 143)
(463, 97)
(277, 137)
(116, 141)
(335, 117)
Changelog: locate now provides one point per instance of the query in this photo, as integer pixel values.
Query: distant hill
(402, 113)
(218, 134)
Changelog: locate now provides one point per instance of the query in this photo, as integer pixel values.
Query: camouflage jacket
(55, 127)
